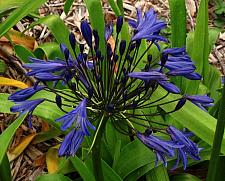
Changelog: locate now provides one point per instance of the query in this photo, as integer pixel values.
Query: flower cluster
(110, 84)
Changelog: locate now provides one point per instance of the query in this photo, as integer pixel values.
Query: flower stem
(96, 150)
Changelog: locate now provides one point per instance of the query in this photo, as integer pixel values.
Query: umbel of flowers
(112, 87)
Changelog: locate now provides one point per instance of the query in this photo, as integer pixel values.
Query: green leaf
(178, 22)
(214, 170)
(67, 5)
(192, 117)
(4, 165)
(51, 177)
(97, 20)
(23, 53)
(115, 7)
(82, 169)
(129, 162)
(18, 14)
(53, 22)
(8, 6)
(51, 50)
(158, 174)
(200, 48)
(7, 135)
(109, 173)
(120, 5)
(184, 177)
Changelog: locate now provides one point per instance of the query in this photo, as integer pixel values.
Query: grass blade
(18, 14)
(214, 160)
(7, 135)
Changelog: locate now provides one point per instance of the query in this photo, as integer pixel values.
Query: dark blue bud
(109, 50)
(58, 101)
(132, 47)
(122, 47)
(164, 58)
(85, 56)
(90, 92)
(86, 32)
(110, 108)
(116, 58)
(116, 81)
(138, 43)
(148, 131)
(72, 40)
(81, 48)
(66, 53)
(119, 24)
(95, 33)
(149, 58)
(73, 86)
(98, 78)
(98, 54)
(180, 103)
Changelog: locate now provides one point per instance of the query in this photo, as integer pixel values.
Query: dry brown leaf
(19, 39)
(44, 126)
(40, 161)
(14, 153)
(52, 160)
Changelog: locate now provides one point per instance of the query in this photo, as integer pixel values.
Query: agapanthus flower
(201, 101)
(189, 149)
(24, 94)
(116, 85)
(163, 149)
(27, 106)
(179, 63)
(148, 27)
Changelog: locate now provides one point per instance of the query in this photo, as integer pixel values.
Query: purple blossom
(147, 27)
(170, 87)
(86, 32)
(161, 148)
(200, 100)
(47, 77)
(24, 94)
(71, 143)
(178, 63)
(27, 106)
(78, 116)
(190, 148)
(148, 76)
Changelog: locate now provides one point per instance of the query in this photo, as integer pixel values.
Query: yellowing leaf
(11, 82)
(52, 160)
(13, 154)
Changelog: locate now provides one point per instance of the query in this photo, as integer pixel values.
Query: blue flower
(27, 106)
(170, 87)
(41, 66)
(24, 94)
(200, 100)
(161, 148)
(71, 143)
(148, 76)
(78, 115)
(190, 148)
(86, 32)
(178, 63)
(47, 77)
(148, 27)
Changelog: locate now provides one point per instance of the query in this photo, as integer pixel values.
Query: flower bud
(119, 24)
